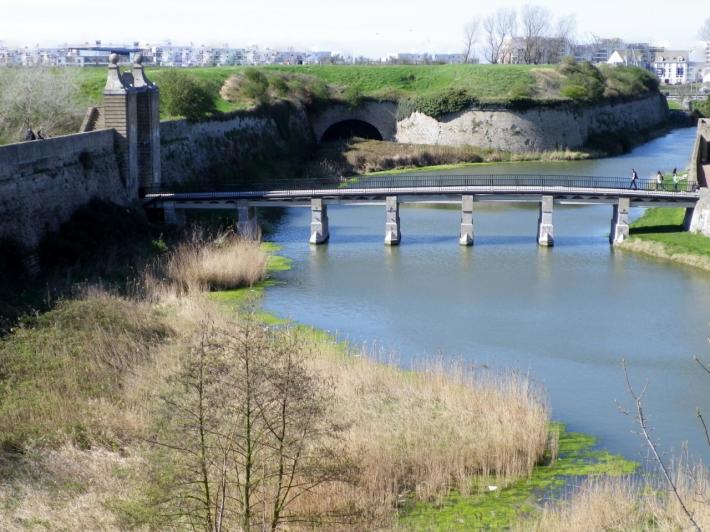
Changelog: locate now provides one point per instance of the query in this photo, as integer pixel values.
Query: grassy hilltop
(485, 84)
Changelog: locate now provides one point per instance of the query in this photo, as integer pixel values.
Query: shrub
(183, 95)
(436, 105)
(39, 99)
(256, 85)
(703, 108)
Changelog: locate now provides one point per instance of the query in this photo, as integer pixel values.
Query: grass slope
(659, 233)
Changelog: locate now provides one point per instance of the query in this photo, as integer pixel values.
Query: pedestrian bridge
(392, 190)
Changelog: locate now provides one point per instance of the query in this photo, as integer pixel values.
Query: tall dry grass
(627, 504)
(358, 156)
(205, 263)
(420, 434)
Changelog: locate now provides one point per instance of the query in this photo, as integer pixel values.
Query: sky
(372, 28)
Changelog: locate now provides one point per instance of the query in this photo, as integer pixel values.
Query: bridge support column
(620, 222)
(392, 233)
(247, 226)
(172, 215)
(466, 238)
(319, 222)
(545, 233)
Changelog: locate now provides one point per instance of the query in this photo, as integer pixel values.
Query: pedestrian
(659, 181)
(634, 179)
(675, 180)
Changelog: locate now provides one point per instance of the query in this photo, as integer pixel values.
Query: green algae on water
(501, 508)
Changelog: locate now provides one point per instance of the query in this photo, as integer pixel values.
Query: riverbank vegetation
(100, 395)
(660, 233)
(629, 504)
(360, 156)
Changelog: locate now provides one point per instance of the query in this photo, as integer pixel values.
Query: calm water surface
(568, 315)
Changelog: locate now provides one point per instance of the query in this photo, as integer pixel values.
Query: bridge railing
(395, 182)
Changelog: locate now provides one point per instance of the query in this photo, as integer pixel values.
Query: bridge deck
(488, 187)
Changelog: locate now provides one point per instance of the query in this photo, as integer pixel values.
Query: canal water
(566, 315)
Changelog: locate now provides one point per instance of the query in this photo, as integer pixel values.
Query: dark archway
(346, 129)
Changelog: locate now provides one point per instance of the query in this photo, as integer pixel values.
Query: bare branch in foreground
(642, 421)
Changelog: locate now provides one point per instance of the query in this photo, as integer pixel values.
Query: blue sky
(363, 27)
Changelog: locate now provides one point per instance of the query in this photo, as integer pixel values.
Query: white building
(318, 58)
(452, 59)
(672, 66)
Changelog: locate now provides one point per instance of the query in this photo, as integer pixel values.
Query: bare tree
(535, 21)
(470, 38)
(498, 26)
(248, 434)
(562, 42)
(639, 416)
(39, 99)
(705, 30)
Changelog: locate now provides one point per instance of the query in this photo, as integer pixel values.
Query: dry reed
(420, 434)
(627, 504)
(203, 264)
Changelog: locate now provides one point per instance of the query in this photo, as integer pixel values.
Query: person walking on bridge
(659, 181)
(634, 179)
(675, 179)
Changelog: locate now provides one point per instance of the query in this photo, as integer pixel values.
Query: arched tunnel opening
(347, 129)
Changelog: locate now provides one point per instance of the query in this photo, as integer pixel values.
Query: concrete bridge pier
(620, 222)
(172, 215)
(247, 226)
(545, 233)
(319, 222)
(392, 233)
(466, 238)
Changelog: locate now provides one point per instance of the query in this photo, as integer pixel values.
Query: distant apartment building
(412, 58)
(672, 66)
(319, 58)
(451, 59)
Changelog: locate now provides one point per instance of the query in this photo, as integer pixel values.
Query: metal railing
(393, 183)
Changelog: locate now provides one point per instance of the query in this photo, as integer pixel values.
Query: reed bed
(418, 435)
(203, 264)
(628, 504)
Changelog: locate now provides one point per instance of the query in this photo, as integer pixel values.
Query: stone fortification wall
(700, 172)
(538, 129)
(43, 182)
(229, 149)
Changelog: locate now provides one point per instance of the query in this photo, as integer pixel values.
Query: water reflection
(568, 314)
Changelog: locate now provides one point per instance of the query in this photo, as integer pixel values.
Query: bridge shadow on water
(480, 240)
(656, 229)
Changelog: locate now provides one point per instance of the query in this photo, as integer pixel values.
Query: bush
(183, 95)
(436, 105)
(703, 108)
(586, 82)
(39, 99)
(256, 85)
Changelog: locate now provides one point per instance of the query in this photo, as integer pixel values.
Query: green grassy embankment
(485, 84)
(659, 233)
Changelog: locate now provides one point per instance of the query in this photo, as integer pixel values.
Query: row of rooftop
(671, 66)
